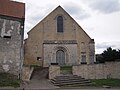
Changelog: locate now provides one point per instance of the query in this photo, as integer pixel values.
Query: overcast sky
(99, 18)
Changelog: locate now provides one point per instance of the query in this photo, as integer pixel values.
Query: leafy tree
(108, 55)
(99, 58)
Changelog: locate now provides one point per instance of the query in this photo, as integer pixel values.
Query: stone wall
(54, 70)
(98, 71)
(11, 45)
(26, 73)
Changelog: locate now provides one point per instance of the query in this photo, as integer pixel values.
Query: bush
(7, 79)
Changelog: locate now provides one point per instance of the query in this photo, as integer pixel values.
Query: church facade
(59, 39)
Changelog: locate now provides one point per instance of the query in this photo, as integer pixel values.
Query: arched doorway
(60, 57)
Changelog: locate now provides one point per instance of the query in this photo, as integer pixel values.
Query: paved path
(39, 81)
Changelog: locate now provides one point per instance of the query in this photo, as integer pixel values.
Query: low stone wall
(54, 70)
(98, 71)
(26, 73)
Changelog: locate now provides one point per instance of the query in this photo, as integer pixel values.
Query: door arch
(60, 57)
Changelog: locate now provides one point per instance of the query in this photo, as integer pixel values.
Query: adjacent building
(12, 15)
(58, 39)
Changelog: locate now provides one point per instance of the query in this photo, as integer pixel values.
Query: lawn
(106, 82)
(66, 69)
(7, 79)
(97, 83)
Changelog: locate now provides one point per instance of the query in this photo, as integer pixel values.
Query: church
(58, 39)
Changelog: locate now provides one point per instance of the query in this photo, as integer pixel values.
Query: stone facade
(98, 71)
(44, 41)
(50, 53)
(11, 43)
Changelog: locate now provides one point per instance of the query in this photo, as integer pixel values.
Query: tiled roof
(12, 8)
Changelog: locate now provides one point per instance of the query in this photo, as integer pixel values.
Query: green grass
(66, 68)
(7, 79)
(32, 65)
(97, 83)
(107, 82)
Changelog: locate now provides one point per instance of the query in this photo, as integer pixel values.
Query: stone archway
(61, 55)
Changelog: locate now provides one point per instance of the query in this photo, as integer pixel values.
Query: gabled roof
(12, 9)
(59, 7)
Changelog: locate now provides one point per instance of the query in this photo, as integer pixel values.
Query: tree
(108, 55)
(99, 58)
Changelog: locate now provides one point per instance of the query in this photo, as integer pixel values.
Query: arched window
(59, 24)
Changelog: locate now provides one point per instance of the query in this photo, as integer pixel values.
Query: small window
(39, 58)
(83, 59)
(59, 24)
(7, 36)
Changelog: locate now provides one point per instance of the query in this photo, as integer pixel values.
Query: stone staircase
(70, 80)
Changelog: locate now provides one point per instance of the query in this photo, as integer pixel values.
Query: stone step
(69, 80)
(65, 79)
(68, 76)
(72, 83)
(75, 85)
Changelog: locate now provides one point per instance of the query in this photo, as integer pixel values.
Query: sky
(99, 18)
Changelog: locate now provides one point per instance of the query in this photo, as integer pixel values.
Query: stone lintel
(60, 42)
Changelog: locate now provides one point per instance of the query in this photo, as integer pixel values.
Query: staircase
(69, 80)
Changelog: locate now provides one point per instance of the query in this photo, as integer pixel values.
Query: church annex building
(58, 38)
